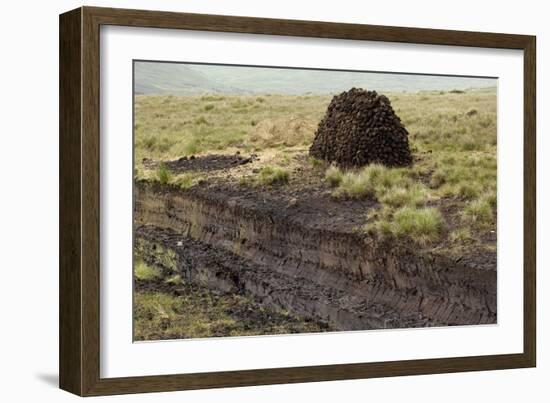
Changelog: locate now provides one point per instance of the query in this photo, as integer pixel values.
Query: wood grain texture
(80, 200)
(316, 29)
(90, 201)
(530, 202)
(70, 274)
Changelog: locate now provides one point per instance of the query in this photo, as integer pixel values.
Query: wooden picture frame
(79, 346)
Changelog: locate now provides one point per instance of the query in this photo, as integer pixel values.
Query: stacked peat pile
(359, 128)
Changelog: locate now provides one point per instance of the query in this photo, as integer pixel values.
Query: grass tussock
(413, 194)
(423, 225)
(266, 176)
(164, 175)
(334, 176)
(269, 176)
(186, 180)
(391, 186)
(481, 212)
(145, 272)
(461, 236)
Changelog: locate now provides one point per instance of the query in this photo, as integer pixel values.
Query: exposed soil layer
(306, 256)
(360, 127)
(210, 162)
(307, 197)
(231, 274)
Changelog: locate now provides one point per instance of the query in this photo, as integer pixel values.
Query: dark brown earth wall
(344, 277)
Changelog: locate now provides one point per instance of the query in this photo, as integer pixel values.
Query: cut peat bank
(258, 211)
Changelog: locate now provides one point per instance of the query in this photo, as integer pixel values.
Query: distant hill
(183, 79)
(173, 78)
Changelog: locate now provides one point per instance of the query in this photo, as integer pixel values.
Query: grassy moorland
(445, 201)
(168, 127)
(452, 136)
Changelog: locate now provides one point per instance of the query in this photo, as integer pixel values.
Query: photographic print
(273, 200)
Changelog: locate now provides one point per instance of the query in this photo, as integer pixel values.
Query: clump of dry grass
(413, 194)
(186, 180)
(424, 224)
(461, 236)
(145, 272)
(334, 176)
(481, 212)
(164, 175)
(421, 225)
(391, 186)
(272, 176)
(288, 132)
(266, 176)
